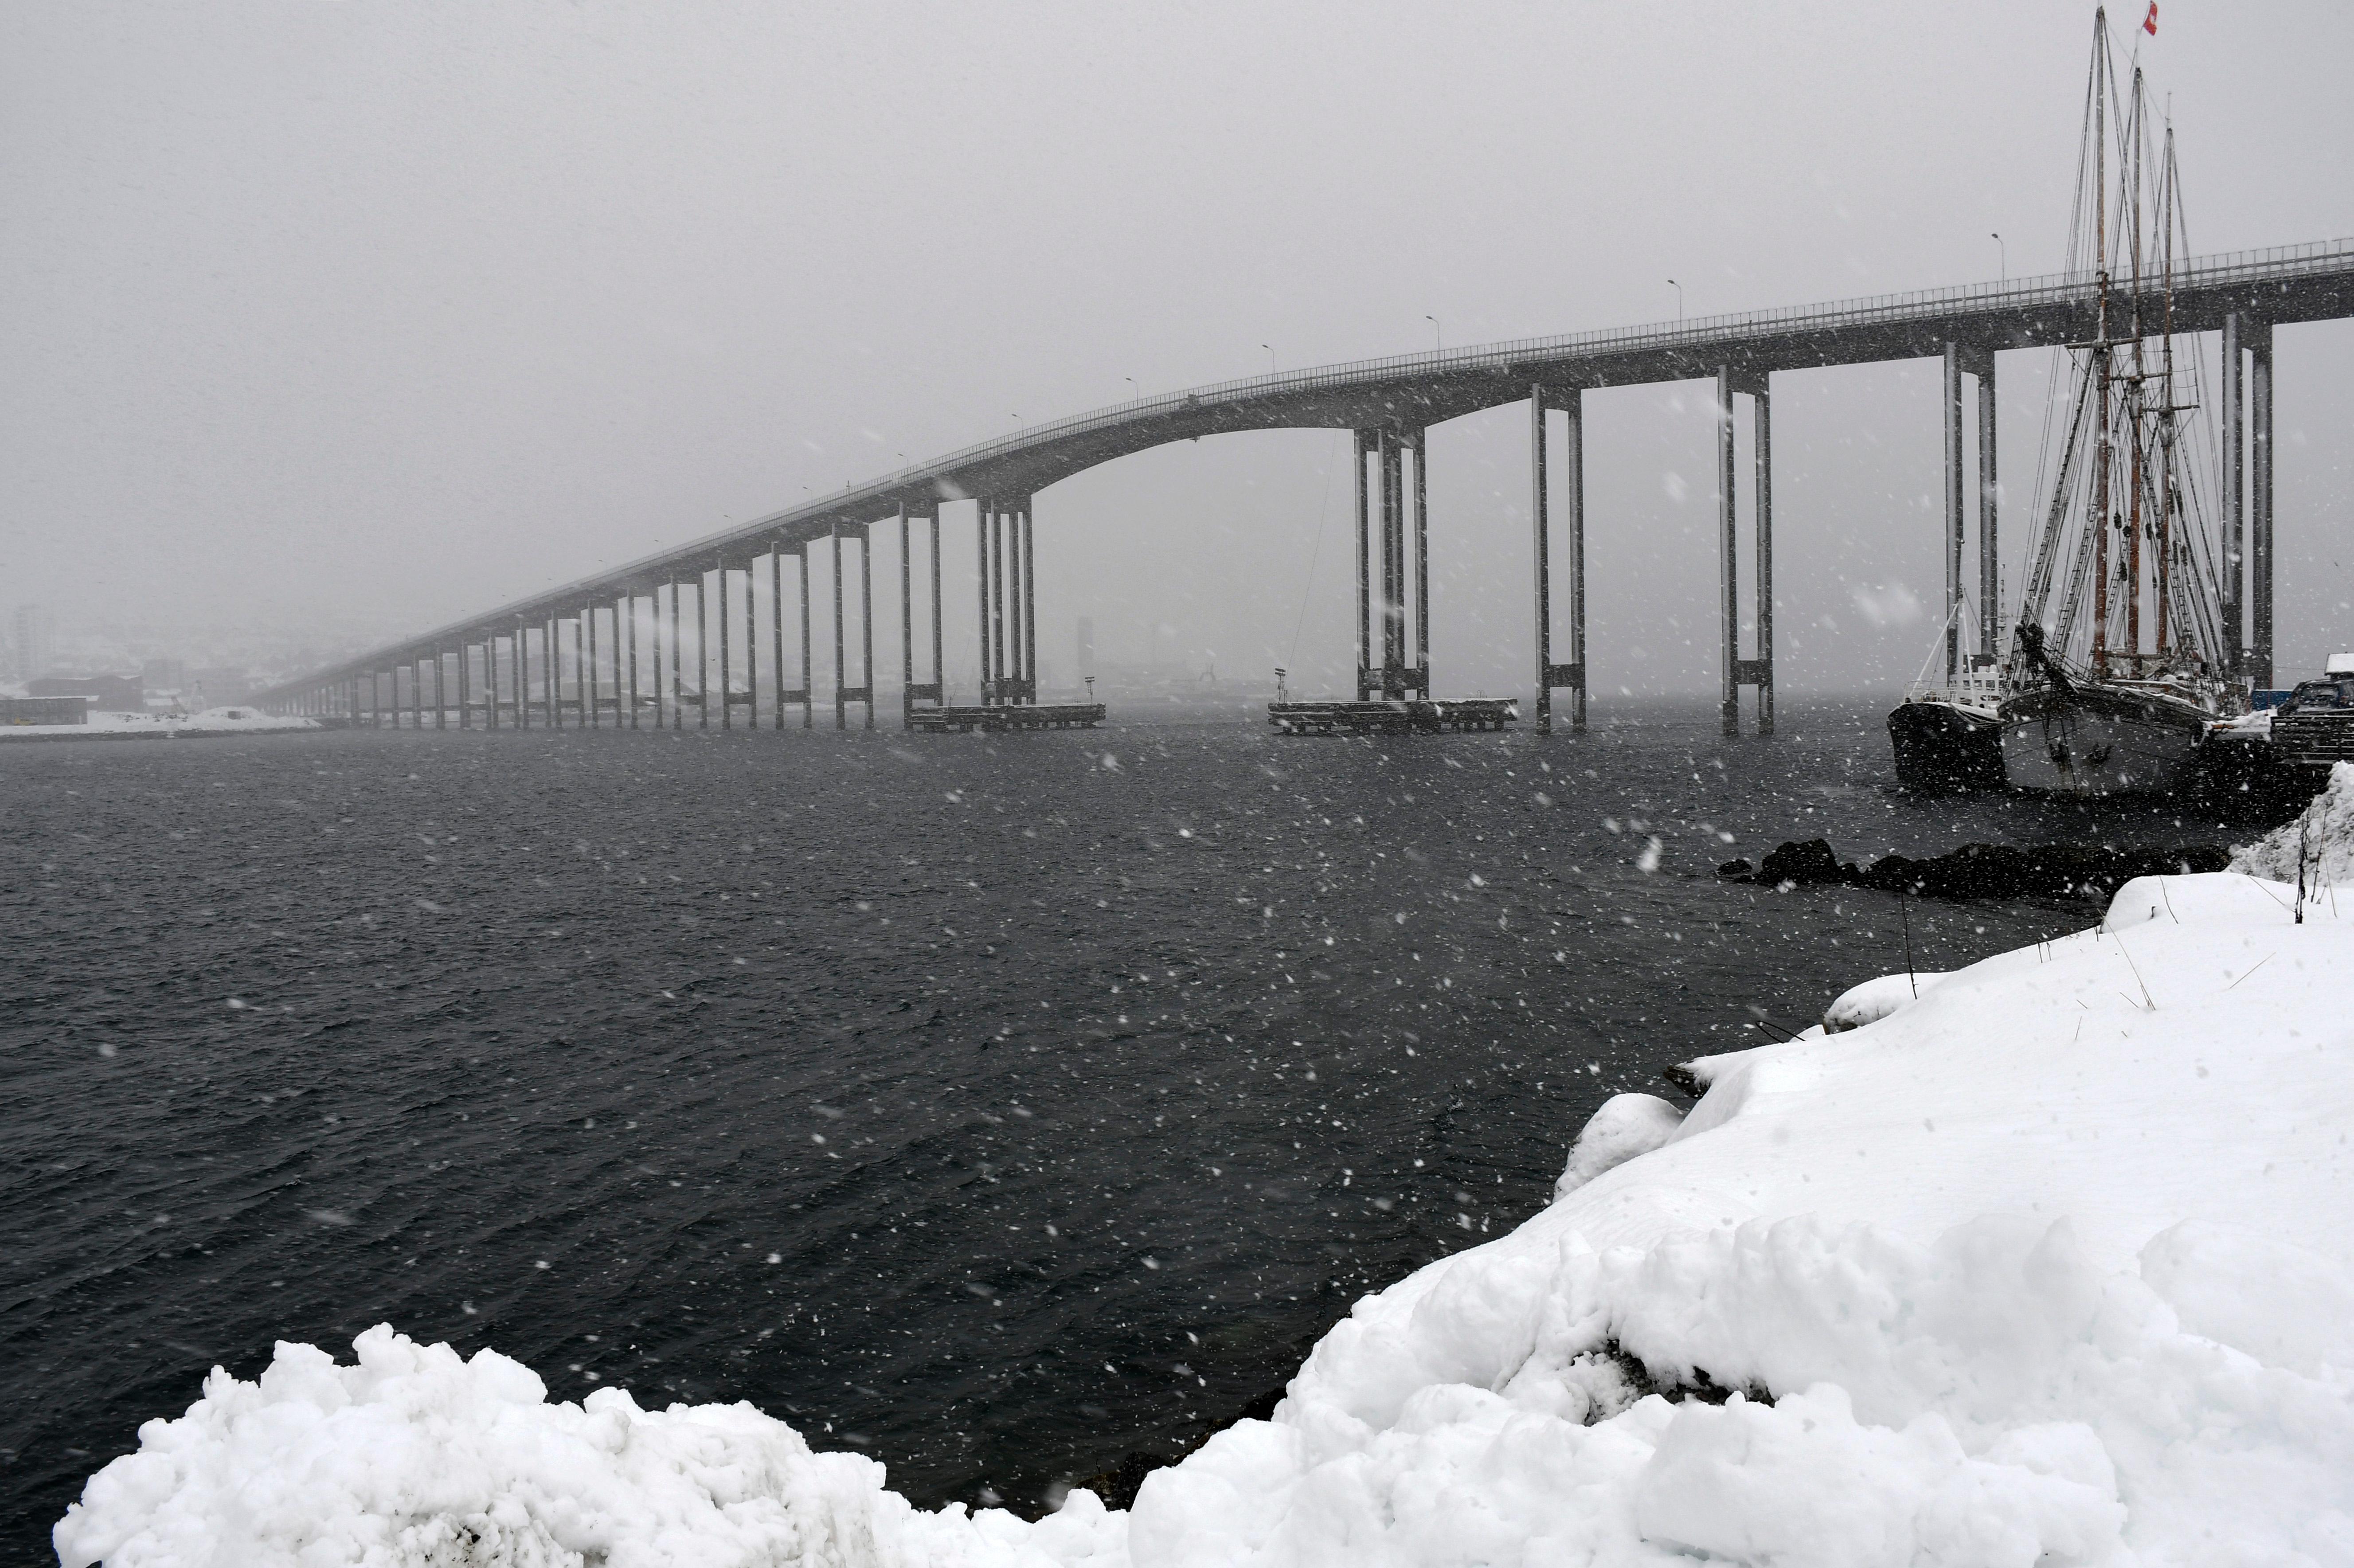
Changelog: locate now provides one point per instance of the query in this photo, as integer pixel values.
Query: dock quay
(996, 716)
(1414, 717)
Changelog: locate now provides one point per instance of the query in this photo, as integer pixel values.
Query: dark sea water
(999, 1108)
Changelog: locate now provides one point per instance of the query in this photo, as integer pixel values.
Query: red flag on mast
(2150, 23)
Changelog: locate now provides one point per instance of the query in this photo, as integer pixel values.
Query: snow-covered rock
(2323, 834)
(2052, 1265)
(1875, 1000)
(1626, 1126)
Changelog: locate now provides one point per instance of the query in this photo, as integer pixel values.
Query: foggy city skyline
(368, 320)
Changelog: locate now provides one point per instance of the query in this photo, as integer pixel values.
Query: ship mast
(2136, 398)
(2103, 454)
(2168, 499)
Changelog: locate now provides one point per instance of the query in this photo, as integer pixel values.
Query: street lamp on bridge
(1679, 288)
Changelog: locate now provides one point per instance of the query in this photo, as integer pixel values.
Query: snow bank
(415, 1457)
(2030, 1267)
(2054, 1264)
(2323, 834)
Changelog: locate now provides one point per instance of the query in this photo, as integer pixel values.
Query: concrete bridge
(593, 637)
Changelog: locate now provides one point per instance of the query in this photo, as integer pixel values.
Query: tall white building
(36, 640)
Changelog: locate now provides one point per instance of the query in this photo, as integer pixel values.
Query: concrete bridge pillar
(593, 686)
(1740, 672)
(1016, 644)
(751, 646)
(1029, 605)
(912, 691)
(1393, 453)
(726, 690)
(1761, 399)
(1552, 677)
(1951, 403)
(677, 647)
(1990, 513)
(982, 509)
(840, 686)
(845, 693)
(1385, 497)
(1009, 603)
(866, 620)
(655, 650)
(702, 655)
(635, 642)
(1958, 361)
(2259, 335)
(2234, 654)
(998, 672)
(809, 679)
(1360, 444)
(777, 636)
(939, 678)
(1729, 566)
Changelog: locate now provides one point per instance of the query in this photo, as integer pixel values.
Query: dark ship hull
(1945, 750)
(2090, 738)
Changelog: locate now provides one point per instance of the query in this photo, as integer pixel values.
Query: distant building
(163, 675)
(107, 693)
(36, 640)
(44, 709)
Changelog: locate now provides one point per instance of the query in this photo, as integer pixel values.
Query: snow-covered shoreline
(160, 726)
(2053, 1262)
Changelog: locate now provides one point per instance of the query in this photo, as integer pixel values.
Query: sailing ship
(2122, 700)
(2120, 666)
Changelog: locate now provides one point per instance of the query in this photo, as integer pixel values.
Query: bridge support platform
(997, 717)
(1416, 718)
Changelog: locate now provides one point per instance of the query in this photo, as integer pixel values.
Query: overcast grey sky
(372, 315)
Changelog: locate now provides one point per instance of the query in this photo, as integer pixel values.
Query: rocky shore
(1980, 871)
